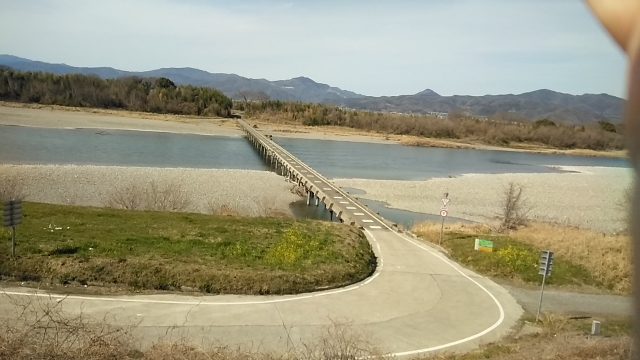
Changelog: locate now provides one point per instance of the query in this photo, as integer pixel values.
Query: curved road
(417, 301)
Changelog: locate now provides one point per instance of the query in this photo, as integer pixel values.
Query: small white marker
(350, 208)
(344, 202)
(337, 197)
(375, 227)
(327, 189)
(358, 214)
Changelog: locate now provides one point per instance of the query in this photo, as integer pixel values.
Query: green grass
(515, 260)
(166, 251)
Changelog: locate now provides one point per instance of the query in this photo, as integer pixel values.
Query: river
(334, 159)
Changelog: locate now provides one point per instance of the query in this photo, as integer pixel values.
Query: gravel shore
(247, 191)
(589, 197)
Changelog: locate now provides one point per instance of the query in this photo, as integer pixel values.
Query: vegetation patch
(559, 337)
(168, 251)
(516, 255)
(496, 131)
(133, 93)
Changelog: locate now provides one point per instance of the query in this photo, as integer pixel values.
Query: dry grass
(259, 208)
(559, 337)
(607, 257)
(170, 196)
(287, 126)
(39, 329)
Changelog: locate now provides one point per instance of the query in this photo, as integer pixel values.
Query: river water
(334, 159)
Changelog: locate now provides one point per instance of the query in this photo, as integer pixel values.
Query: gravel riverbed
(587, 197)
(246, 191)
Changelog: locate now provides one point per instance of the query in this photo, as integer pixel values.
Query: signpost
(483, 245)
(12, 216)
(443, 213)
(546, 265)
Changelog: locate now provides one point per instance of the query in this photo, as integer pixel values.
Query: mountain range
(533, 105)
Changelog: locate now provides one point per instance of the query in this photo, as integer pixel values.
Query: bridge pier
(308, 198)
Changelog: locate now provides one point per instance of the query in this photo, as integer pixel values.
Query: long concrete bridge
(318, 189)
(417, 301)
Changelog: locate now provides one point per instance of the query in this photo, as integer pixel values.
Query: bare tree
(515, 209)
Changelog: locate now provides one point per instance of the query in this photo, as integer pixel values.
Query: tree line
(601, 135)
(159, 95)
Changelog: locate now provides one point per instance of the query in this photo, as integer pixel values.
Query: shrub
(514, 207)
(543, 122)
(607, 126)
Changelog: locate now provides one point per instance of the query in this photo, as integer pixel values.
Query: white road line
(317, 181)
(337, 197)
(350, 208)
(375, 227)
(344, 202)
(367, 221)
(148, 301)
(358, 214)
(326, 189)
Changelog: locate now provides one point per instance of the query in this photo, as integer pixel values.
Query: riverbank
(69, 117)
(100, 250)
(588, 197)
(245, 192)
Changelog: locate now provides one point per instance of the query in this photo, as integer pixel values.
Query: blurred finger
(619, 17)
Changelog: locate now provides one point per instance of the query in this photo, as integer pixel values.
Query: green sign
(484, 245)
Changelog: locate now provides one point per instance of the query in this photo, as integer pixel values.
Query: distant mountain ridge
(297, 89)
(533, 105)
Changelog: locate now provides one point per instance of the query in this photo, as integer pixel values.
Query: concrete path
(417, 301)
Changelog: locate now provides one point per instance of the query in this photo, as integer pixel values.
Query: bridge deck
(319, 189)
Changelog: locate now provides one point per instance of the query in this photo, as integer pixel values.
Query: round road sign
(444, 213)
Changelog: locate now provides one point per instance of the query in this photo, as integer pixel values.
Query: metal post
(544, 279)
(441, 230)
(13, 240)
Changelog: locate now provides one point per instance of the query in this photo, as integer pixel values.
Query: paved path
(572, 303)
(417, 300)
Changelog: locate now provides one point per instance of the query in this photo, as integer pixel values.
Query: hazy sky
(392, 47)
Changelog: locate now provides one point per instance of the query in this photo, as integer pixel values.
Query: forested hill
(539, 104)
(296, 89)
(159, 95)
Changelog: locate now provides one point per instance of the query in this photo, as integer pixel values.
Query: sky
(455, 47)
